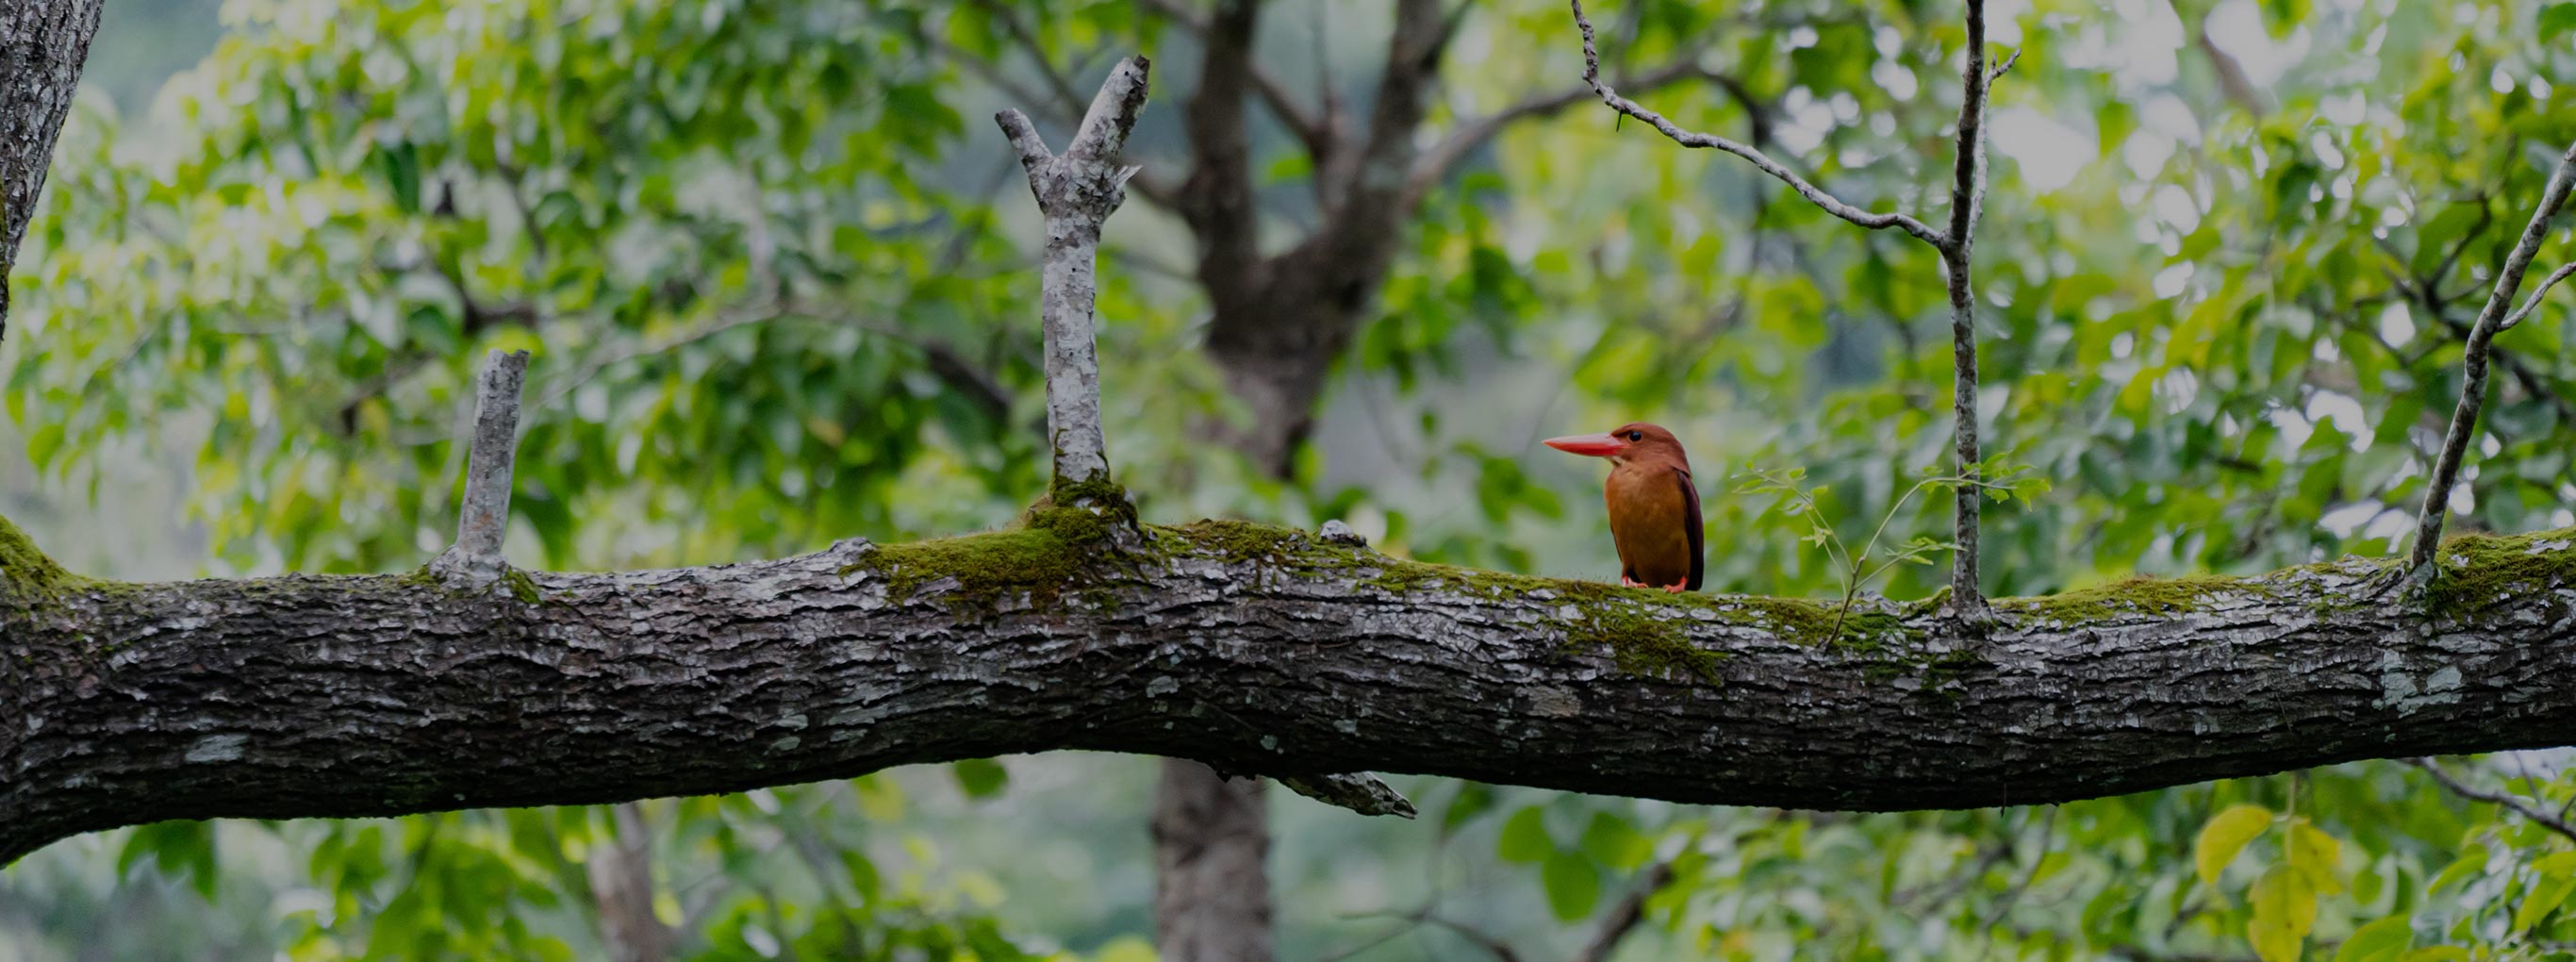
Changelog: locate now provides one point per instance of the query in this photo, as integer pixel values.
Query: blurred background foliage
(778, 273)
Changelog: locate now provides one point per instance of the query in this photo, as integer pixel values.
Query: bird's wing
(1691, 525)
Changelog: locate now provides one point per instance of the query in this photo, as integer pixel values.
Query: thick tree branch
(42, 46)
(2473, 391)
(1313, 129)
(621, 882)
(1814, 194)
(1255, 650)
(1216, 200)
(1211, 884)
(1077, 192)
(1363, 188)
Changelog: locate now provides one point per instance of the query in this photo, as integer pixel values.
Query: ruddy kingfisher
(1654, 509)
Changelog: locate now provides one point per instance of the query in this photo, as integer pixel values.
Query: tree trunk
(1211, 880)
(42, 46)
(1276, 347)
(1256, 650)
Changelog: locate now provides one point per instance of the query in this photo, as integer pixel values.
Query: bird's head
(1632, 441)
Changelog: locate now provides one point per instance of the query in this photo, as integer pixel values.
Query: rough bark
(1251, 649)
(1211, 880)
(42, 46)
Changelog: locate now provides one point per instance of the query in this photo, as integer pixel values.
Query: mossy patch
(25, 570)
(1081, 512)
(2477, 571)
(1642, 642)
(522, 586)
(2128, 597)
(1068, 540)
(1033, 560)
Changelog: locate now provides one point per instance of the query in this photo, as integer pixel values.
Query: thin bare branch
(2513, 803)
(2537, 293)
(2232, 80)
(1501, 951)
(1625, 916)
(1059, 88)
(1436, 163)
(1814, 194)
(992, 73)
(2010, 58)
(2473, 392)
(1967, 200)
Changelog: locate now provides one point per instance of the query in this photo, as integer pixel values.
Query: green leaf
(2436, 953)
(2557, 19)
(1573, 885)
(2547, 892)
(1473, 799)
(2285, 908)
(2379, 941)
(2315, 854)
(2224, 836)
(179, 850)
(1524, 837)
(1612, 842)
(981, 777)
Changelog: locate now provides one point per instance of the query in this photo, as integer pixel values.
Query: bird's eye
(1636, 435)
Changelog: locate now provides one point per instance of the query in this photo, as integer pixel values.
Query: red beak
(1589, 445)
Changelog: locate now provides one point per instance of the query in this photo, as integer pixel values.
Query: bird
(1654, 509)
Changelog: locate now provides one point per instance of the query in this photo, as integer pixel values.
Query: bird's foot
(1627, 582)
(1675, 589)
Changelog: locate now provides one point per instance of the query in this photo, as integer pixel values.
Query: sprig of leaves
(2002, 482)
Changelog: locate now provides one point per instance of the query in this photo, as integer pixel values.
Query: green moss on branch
(2129, 598)
(2480, 571)
(26, 571)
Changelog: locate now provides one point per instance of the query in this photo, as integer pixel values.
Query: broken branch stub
(1077, 191)
(484, 517)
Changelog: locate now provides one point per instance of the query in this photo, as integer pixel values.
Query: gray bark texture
(1255, 650)
(42, 46)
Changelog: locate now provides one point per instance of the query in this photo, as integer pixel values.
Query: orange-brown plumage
(1654, 509)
